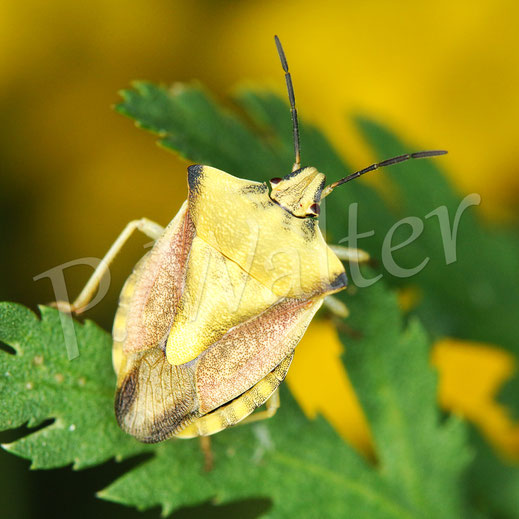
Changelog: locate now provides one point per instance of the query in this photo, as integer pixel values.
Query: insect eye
(275, 180)
(315, 209)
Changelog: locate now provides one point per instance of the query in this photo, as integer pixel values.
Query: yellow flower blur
(470, 376)
(330, 393)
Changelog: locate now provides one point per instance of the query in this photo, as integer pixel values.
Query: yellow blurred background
(442, 74)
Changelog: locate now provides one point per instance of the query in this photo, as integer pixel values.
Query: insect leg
(336, 306)
(349, 254)
(271, 407)
(205, 445)
(148, 227)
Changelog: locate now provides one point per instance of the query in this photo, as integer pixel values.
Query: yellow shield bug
(208, 321)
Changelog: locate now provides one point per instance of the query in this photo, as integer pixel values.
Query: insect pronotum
(208, 321)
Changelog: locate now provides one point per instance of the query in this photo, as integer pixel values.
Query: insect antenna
(292, 100)
(387, 162)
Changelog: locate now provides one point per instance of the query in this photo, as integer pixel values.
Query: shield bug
(208, 321)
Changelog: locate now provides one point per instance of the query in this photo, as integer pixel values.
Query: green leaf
(190, 123)
(467, 298)
(397, 389)
(302, 466)
(493, 483)
(474, 298)
(39, 383)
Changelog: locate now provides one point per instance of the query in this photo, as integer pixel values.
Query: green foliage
(39, 383)
(390, 371)
(303, 466)
(475, 297)
(424, 466)
(493, 483)
(468, 297)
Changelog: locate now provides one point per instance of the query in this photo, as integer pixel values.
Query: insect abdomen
(239, 408)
